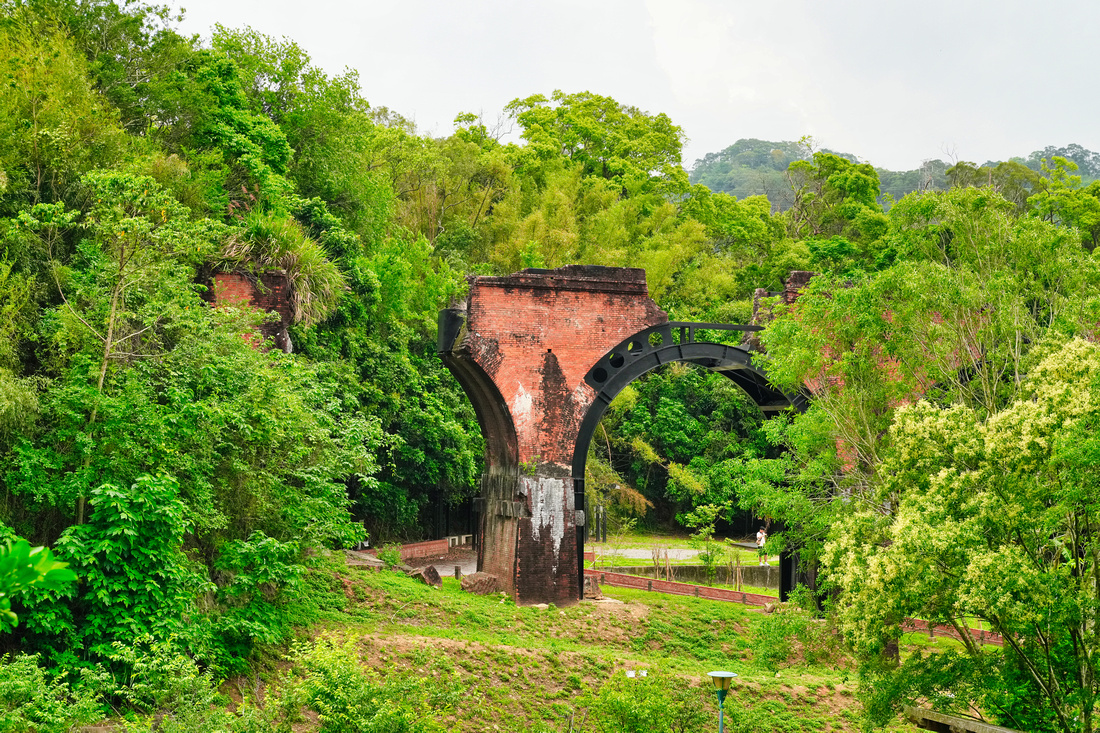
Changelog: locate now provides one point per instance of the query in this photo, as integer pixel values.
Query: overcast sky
(894, 83)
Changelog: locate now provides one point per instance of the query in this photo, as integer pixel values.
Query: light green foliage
(740, 227)
(351, 699)
(326, 122)
(989, 520)
(712, 553)
(1012, 180)
(18, 407)
(53, 126)
(638, 152)
(33, 699)
(792, 634)
(683, 437)
(1061, 199)
(605, 486)
(833, 195)
(155, 676)
(24, 568)
(390, 554)
(171, 694)
(972, 280)
(650, 703)
(598, 182)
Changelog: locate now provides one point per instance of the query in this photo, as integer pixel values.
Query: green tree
(135, 578)
(53, 126)
(682, 437)
(118, 306)
(637, 151)
(985, 518)
(833, 195)
(1062, 200)
(974, 288)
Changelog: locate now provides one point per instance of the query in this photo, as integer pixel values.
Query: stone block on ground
(481, 584)
(363, 560)
(428, 576)
(592, 589)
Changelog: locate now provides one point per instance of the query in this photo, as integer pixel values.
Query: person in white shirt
(761, 539)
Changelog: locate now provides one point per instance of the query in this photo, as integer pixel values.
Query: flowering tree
(992, 519)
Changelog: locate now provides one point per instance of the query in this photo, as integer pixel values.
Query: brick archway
(541, 353)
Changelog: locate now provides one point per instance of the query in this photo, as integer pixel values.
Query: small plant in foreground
(32, 699)
(350, 698)
(651, 703)
(390, 554)
(792, 622)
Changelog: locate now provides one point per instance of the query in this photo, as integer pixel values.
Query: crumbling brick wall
(269, 292)
(530, 338)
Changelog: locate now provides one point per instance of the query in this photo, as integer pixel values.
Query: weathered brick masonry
(267, 292)
(527, 342)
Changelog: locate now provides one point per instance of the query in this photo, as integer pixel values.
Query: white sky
(893, 82)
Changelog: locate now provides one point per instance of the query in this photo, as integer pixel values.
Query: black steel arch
(649, 349)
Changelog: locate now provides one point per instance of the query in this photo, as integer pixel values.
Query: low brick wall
(621, 580)
(420, 549)
(934, 630)
(425, 549)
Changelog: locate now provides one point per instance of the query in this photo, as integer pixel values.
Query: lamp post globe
(722, 682)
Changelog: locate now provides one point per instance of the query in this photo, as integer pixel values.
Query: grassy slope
(510, 668)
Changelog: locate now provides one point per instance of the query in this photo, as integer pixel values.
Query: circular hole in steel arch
(656, 339)
(599, 375)
(634, 347)
(616, 360)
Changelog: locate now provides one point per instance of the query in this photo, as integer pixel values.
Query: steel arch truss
(649, 349)
(668, 342)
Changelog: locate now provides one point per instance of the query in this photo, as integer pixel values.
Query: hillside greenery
(189, 477)
(752, 167)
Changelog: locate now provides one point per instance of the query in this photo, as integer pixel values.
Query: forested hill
(753, 167)
(189, 474)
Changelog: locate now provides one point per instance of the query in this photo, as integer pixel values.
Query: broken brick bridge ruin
(541, 354)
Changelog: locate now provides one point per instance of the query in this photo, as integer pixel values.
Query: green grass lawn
(607, 551)
(512, 668)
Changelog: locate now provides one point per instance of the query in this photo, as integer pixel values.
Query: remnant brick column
(268, 291)
(526, 345)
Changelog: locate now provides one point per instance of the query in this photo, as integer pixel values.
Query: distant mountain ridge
(752, 167)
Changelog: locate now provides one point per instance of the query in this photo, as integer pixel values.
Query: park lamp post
(722, 682)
